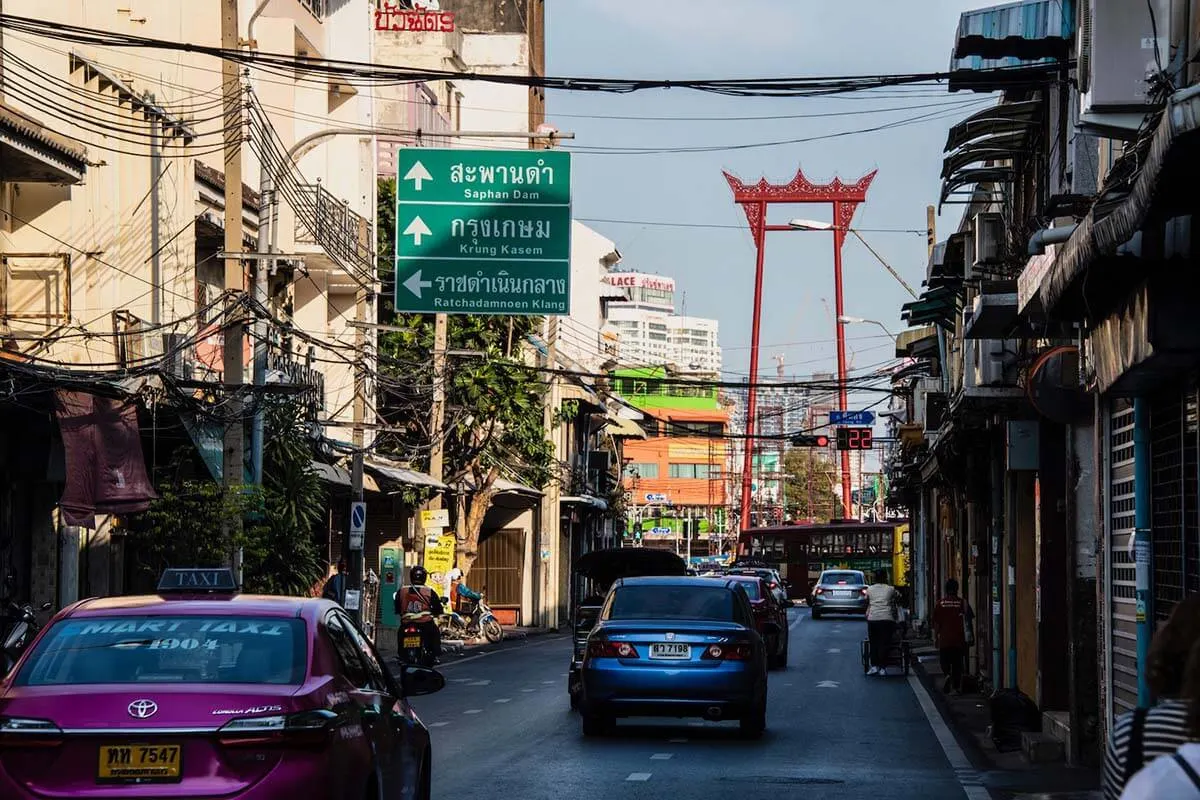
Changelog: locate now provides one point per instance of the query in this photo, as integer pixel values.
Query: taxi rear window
(181, 649)
(752, 589)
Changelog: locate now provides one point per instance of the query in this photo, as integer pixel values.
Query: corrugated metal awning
(1000, 118)
(395, 473)
(624, 428)
(1027, 30)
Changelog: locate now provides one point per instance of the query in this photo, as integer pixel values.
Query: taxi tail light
(604, 649)
(21, 732)
(299, 729)
(739, 651)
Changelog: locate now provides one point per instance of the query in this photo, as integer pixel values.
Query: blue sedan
(675, 647)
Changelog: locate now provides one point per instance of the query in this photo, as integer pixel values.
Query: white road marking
(461, 680)
(438, 724)
(834, 650)
(787, 684)
(638, 776)
(529, 690)
(544, 640)
(662, 756)
(677, 741)
(799, 618)
(504, 700)
(954, 754)
(479, 683)
(827, 685)
(548, 683)
(473, 711)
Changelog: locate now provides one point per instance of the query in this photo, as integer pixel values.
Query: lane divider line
(639, 776)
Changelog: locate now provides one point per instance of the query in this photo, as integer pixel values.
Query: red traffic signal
(806, 440)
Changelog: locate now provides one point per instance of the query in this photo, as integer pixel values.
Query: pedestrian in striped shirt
(1177, 775)
(1139, 736)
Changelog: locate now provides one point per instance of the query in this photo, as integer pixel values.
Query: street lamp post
(845, 319)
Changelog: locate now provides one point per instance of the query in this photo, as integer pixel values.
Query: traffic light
(807, 440)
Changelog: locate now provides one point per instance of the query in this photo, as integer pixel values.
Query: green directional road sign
(483, 231)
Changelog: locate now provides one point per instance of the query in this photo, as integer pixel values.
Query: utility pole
(233, 457)
(437, 413)
(550, 521)
(355, 544)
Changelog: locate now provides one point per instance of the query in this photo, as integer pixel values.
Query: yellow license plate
(412, 641)
(140, 763)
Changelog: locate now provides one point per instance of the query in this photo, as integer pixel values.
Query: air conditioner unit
(994, 362)
(929, 403)
(989, 239)
(1118, 53)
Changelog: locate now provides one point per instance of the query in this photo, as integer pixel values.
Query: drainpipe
(1039, 240)
(1141, 540)
(997, 568)
(258, 10)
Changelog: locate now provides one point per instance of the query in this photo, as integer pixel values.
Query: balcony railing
(325, 221)
(317, 8)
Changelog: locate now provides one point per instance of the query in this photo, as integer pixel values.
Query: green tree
(809, 478)
(494, 403)
(281, 551)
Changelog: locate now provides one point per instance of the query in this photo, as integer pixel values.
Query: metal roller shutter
(1168, 499)
(1120, 608)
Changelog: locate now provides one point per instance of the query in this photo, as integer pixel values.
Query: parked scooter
(23, 627)
(480, 622)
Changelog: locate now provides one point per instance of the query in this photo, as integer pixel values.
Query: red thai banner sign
(391, 17)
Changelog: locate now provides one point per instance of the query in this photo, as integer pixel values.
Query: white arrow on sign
(414, 284)
(827, 685)
(417, 229)
(418, 175)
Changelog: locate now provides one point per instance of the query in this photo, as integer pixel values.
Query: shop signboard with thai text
(413, 17)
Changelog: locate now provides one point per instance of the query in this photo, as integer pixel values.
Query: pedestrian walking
(335, 587)
(1142, 735)
(952, 621)
(882, 602)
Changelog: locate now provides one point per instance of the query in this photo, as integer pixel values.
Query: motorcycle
(412, 648)
(479, 623)
(24, 627)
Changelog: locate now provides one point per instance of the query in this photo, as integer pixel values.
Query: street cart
(591, 578)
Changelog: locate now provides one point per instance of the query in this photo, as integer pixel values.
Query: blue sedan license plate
(670, 650)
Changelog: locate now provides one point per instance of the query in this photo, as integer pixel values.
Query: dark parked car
(775, 583)
(841, 591)
(770, 617)
(675, 647)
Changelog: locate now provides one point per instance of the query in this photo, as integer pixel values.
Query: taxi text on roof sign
(202, 579)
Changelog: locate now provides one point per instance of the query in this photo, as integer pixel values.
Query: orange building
(676, 479)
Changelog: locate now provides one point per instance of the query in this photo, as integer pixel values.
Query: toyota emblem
(143, 709)
(670, 637)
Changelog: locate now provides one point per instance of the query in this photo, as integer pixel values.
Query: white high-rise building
(651, 334)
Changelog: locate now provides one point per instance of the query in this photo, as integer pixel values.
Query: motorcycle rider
(420, 605)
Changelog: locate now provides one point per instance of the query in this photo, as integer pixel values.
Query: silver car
(839, 591)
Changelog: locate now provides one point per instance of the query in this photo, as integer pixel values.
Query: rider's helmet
(417, 575)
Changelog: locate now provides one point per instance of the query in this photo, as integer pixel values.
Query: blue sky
(714, 268)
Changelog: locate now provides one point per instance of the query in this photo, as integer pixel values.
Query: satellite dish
(1053, 386)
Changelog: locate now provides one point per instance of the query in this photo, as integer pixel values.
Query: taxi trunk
(166, 742)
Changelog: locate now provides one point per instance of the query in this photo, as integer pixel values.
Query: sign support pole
(839, 236)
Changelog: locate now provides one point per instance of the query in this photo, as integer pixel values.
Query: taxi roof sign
(216, 580)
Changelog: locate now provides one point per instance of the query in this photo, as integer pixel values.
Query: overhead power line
(363, 72)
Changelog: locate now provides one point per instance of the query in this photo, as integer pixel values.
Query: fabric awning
(936, 306)
(585, 500)
(624, 428)
(390, 471)
(32, 153)
(1114, 221)
(908, 342)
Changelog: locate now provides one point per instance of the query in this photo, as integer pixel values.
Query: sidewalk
(1006, 775)
(456, 650)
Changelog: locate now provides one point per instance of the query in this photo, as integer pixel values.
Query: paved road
(502, 730)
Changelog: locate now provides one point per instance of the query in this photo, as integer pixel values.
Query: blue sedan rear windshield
(672, 602)
(182, 649)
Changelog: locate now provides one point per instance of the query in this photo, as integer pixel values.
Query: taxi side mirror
(416, 681)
